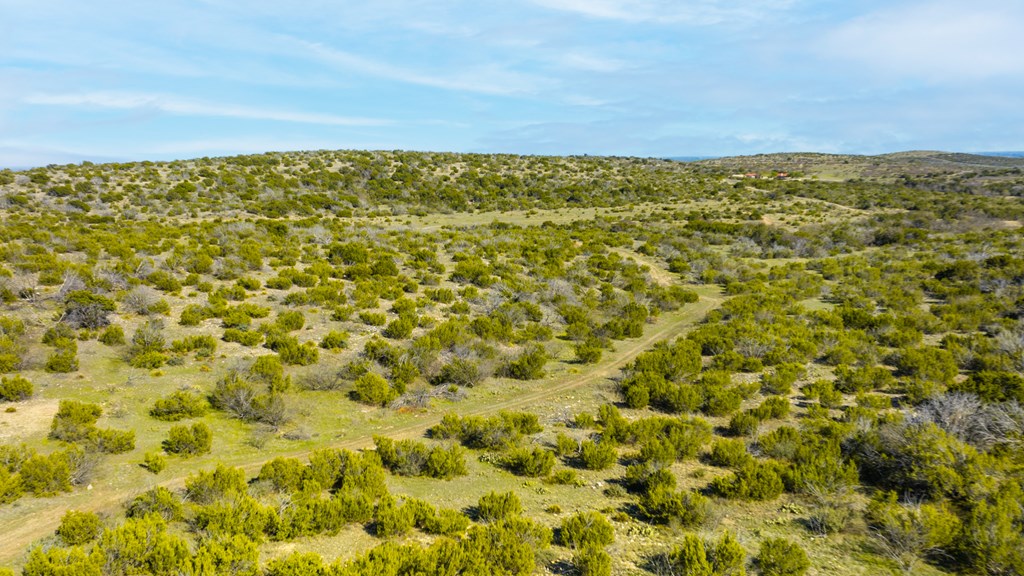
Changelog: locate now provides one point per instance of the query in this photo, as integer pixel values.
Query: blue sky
(178, 79)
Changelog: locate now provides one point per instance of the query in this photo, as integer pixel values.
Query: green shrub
(209, 486)
(412, 458)
(243, 337)
(446, 523)
(910, 532)
(781, 380)
(204, 344)
(284, 474)
(373, 318)
(757, 481)
(74, 421)
(192, 315)
(730, 453)
(566, 445)
(249, 283)
(597, 455)
(58, 560)
(824, 392)
(15, 389)
(159, 500)
(269, 370)
(774, 407)
(993, 386)
(164, 281)
(78, 528)
(586, 529)
(588, 352)
(495, 506)
(721, 401)
(392, 519)
(62, 361)
(533, 462)
(299, 355)
(113, 335)
(864, 379)
(592, 561)
(662, 505)
(11, 487)
(334, 340)
(296, 564)
(446, 463)
(372, 388)
(179, 405)
(564, 477)
(189, 440)
(529, 365)
(59, 335)
(154, 462)
(461, 372)
(744, 424)
(148, 360)
(992, 541)
(697, 557)
(780, 557)
(400, 328)
(291, 320)
(46, 475)
(112, 441)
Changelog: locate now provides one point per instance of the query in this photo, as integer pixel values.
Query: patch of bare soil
(29, 418)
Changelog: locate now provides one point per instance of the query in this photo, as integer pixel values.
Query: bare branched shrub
(322, 380)
(72, 282)
(978, 423)
(751, 348)
(140, 300)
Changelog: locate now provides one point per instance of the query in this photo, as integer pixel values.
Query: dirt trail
(42, 522)
(661, 276)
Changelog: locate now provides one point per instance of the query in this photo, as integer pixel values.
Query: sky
(118, 80)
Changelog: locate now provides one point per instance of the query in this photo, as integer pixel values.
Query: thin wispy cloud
(698, 12)
(491, 79)
(173, 105)
(590, 62)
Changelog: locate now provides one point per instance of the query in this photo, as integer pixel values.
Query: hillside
(942, 171)
(349, 362)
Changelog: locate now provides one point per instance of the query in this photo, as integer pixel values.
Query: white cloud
(699, 12)
(491, 79)
(590, 63)
(186, 107)
(588, 101)
(937, 40)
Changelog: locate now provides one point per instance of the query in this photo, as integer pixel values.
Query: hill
(349, 362)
